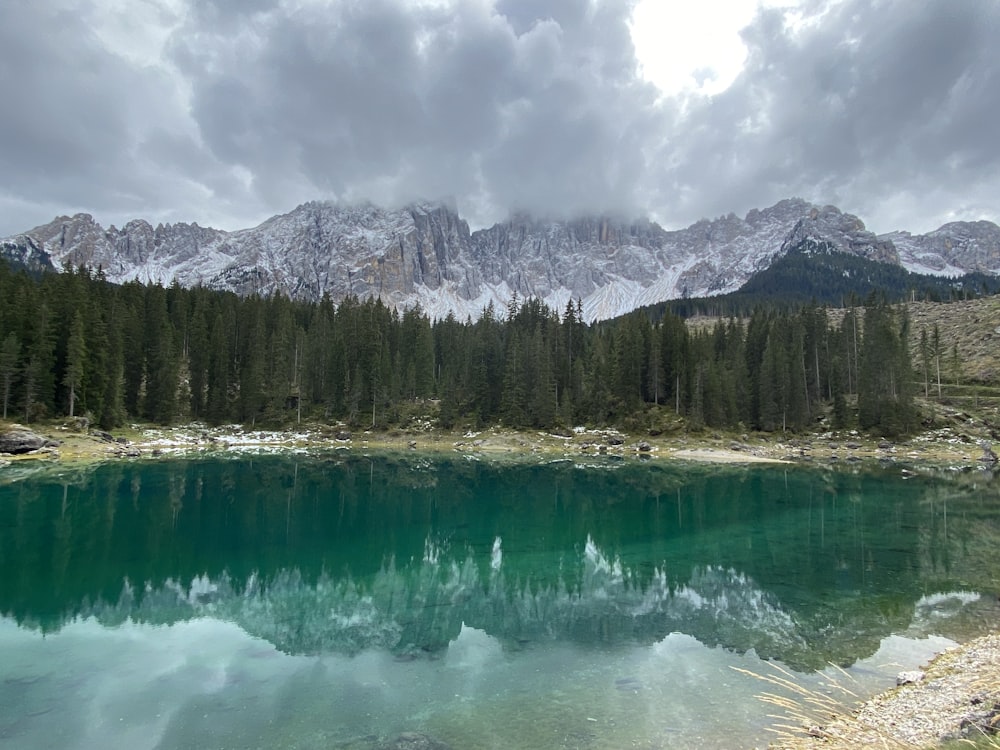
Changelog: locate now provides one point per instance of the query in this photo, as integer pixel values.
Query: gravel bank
(959, 693)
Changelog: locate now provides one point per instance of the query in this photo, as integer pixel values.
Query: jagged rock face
(536, 258)
(425, 253)
(137, 251)
(845, 232)
(25, 252)
(320, 248)
(75, 241)
(956, 247)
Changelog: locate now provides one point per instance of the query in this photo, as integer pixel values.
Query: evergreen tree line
(73, 344)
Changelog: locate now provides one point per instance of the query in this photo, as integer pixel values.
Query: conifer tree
(885, 401)
(76, 352)
(133, 357)
(514, 394)
(936, 348)
(198, 356)
(773, 383)
(216, 400)
(543, 402)
(925, 360)
(674, 354)
(112, 411)
(252, 363)
(10, 351)
(39, 367)
(162, 359)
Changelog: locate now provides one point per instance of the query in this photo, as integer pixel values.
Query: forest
(73, 344)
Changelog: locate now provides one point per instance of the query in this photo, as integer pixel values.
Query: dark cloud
(876, 101)
(886, 108)
(392, 102)
(84, 128)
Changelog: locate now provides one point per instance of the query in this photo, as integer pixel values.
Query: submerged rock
(415, 741)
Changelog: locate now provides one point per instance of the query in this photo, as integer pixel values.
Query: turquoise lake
(338, 600)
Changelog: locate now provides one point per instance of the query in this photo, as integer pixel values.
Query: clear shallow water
(331, 601)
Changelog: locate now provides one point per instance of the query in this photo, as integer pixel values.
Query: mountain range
(426, 254)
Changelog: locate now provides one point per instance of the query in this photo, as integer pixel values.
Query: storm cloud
(227, 112)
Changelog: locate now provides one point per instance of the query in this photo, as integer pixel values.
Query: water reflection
(206, 683)
(340, 555)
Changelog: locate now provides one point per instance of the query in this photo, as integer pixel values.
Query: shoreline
(943, 448)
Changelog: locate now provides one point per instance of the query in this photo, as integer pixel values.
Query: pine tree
(252, 364)
(162, 359)
(133, 357)
(925, 360)
(654, 369)
(514, 393)
(112, 412)
(629, 357)
(885, 399)
(773, 383)
(76, 352)
(543, 401)
(39, 367)
(10, 351)
(674, 353)
(758, 330)
(198, 355)
(936, 349)
(316, 365)
(279, 355)
(217, 396)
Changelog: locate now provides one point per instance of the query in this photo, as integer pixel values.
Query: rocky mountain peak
(425, 253)
(845, 232)
(954, 248)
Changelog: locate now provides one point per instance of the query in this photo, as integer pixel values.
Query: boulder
(981, 724)
(910, 678)
(21, 440)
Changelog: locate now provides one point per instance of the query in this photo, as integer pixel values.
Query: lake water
(339, 601)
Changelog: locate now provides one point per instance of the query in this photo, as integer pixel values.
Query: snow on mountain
(955, 248)
(425, 254)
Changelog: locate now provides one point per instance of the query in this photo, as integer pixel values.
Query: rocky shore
(957, 698)
(71, 443)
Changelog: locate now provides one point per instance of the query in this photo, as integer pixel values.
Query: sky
(226, 112)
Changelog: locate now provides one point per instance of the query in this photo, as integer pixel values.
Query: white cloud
(687, 47)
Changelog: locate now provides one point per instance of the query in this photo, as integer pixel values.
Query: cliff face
(956, 247)
(424, 253)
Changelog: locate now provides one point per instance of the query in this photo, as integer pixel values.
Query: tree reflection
(342, 553)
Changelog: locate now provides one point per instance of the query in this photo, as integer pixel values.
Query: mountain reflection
(322, 555)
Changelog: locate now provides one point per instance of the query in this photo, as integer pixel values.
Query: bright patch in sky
(692, 47)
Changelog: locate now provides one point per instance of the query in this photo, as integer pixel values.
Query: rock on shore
(17, 440)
